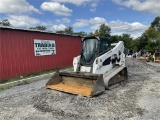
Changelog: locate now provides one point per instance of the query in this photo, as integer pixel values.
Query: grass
(2, 89)
(30, 75)
(25, 82)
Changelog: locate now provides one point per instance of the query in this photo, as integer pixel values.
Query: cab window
(104, 47)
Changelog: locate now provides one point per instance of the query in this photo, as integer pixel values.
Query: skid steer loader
(98, 67)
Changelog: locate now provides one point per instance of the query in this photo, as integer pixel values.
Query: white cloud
(93, 23)
(63, 20)
(23, 21)
(135, 28)
(152, 6)
(97, 20)
(26, 21)
(59, 27)
(81, 23)
(92, 3)
(56, 8)
(16, 7)
(117, 27)
(75, 2)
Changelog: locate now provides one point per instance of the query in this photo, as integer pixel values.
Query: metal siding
(1, 69)
(17, 52)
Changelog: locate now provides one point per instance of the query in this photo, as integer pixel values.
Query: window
(89, 51)
(104, 47)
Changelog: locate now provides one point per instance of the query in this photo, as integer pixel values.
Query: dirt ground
(138, 99)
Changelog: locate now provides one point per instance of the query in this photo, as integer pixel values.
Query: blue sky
(123, 16)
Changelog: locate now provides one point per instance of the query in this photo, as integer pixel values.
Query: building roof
(33, 30)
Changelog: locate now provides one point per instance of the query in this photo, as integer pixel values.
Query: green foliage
(126, 38)
(81, 33)
(114, 38)
(152, 33)
(2, 88)
(104, 30)
(25, 82)
(150, 39)
(156, 24)
(43, 28)
(142, 41)
(5, 22)
(90, 34)
(96, 32)
(68, 30)
(60, 32)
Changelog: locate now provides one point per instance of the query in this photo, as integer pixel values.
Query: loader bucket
(84, 84)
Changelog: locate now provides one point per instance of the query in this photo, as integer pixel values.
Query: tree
(68, 30)
(156, 24)
(90, 34)
(60, 32)
(152, 33)
(96, 32)
(81, 33)
(142, 41)
(128, 40)
(104, 30)
(5, 22)
(150, 39)
(153, 36)
(115, 39)
(41, 28)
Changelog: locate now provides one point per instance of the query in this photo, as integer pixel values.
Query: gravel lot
(138, 99)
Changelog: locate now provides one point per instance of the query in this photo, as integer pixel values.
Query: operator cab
(93, 47)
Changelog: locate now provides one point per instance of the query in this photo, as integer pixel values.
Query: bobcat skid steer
(98, 67)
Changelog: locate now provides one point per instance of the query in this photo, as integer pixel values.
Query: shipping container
(17, 51)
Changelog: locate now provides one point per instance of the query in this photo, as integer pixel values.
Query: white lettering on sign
(44, 47)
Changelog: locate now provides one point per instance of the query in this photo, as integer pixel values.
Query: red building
(18, 52)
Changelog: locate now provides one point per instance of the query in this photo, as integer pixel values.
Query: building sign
(44, 47)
